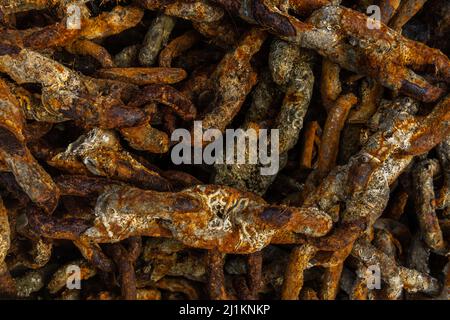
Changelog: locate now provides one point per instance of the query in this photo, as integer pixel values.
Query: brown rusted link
(176, 47)
(104, 25)
(9, 7)
(266, 14)
(198, 83)
(309, 139)
(328, 149)
(330, 84)
(432, 129)
(82, 186)
(260, 220)
(39, 254)
(407, 10)
(424, 203)
(293, 277)
(371, 93)
(384, 241)
(168, 96)
(81, 99)
(377, 167)
(32, 178)
(94, 254)
(156, 38)
(144, 76)
(181, 179)
(222, 33)
(411, 280)
(399, 231)
(4, 232)
(443, 151)
(99, 153)
(359, 289)
(56, 35)
(110, 23)
(230, 91)
(329, 146)
(216, 277)
(128, 57)
(339, 238)
(306, 7)
(330, 285)
(87, 47)
(333, 24)
(388, 9)
(33, 108)
(146, 138)
(197, 10)
(126, 270)
(408, 53)
(332, 275)
(298, 94)
(254, 276)
(7, 286)
(134, 248)
(56, 228)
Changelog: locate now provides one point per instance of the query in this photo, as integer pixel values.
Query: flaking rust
(13, 150)
(91, 92)
(291, 70)
(392, 64)
(233, 79)
(99, 153)
(220, 218)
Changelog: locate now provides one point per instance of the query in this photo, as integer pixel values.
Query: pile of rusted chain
(91, 91)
